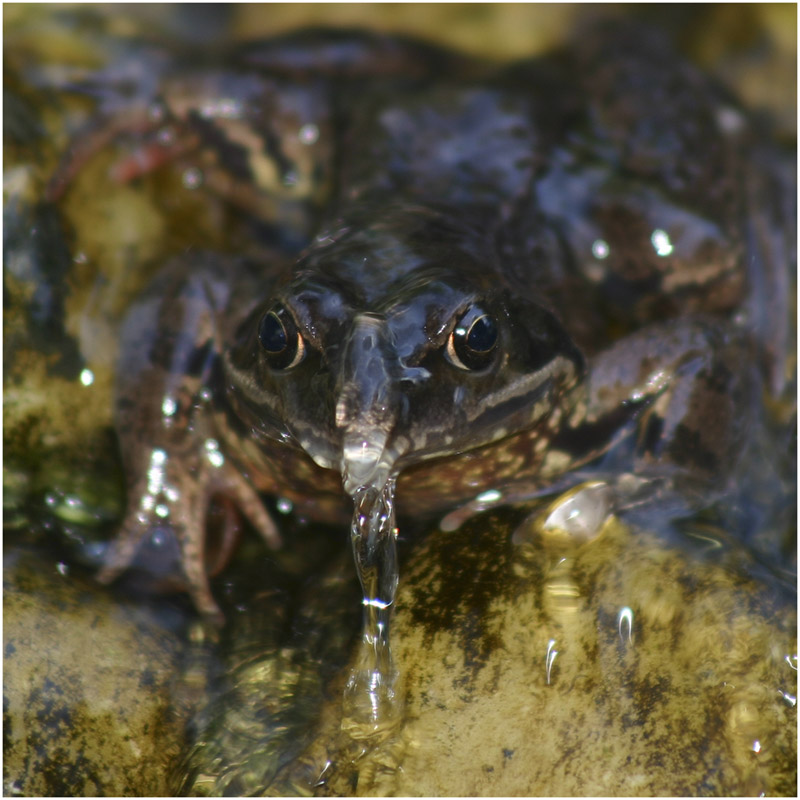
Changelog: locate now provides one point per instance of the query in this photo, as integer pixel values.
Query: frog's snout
(367, 403)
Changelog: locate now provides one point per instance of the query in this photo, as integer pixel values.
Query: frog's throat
(367, 405)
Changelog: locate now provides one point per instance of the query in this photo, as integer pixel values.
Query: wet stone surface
(87, 701)
(621, 665)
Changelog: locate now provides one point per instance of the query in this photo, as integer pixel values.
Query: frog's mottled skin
(506, 273)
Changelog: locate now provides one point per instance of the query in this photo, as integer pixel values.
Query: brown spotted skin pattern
(493, 275)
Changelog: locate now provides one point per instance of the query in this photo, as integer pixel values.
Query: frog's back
(660, 196)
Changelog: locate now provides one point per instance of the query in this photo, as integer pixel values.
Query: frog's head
(397, 342)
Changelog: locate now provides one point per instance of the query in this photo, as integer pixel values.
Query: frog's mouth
(366, 462)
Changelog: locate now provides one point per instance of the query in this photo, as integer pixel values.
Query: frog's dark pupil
(272, 334)
(473, 341)
(283, 345)
(482, 336)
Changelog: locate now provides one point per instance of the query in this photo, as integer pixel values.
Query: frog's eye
(472, 343)
(281, 340)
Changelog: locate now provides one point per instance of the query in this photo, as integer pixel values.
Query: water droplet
(87, 377)
(165, 137)
(224, 107)
(62, 568)
(729, 119)
(308, 134)
(216, 459)
(156, 112)
(284, 505)
(158, 538)
(162, 510)
(661, 243)
(192, 178)
(600, 249)
(756, 746)
(171, 493)
(490, 496)
(155, 473)
(168, 406)
(212, 452)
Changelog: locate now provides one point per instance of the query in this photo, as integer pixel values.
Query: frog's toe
(238, 488)
(194, 569)
(142, 544)
(122, 550)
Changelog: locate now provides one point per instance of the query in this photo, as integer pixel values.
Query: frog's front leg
(166, 383)
(695, 385)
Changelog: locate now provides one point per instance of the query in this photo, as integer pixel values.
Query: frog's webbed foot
(171, 500)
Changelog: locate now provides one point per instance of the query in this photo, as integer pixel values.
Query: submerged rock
(619, 665)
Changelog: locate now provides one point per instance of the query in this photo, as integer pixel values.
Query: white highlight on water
(600, 249)
(490, 496)
(661, 242)
(550, 658)
(308, 134)
(625, 616)
(168, 406)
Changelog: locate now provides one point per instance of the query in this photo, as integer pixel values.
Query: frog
(500, 278)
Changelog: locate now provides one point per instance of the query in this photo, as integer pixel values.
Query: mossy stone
(86, 687)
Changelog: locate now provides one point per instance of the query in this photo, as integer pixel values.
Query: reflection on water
(625, 624)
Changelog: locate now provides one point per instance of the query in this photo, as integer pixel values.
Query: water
(373, 704)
